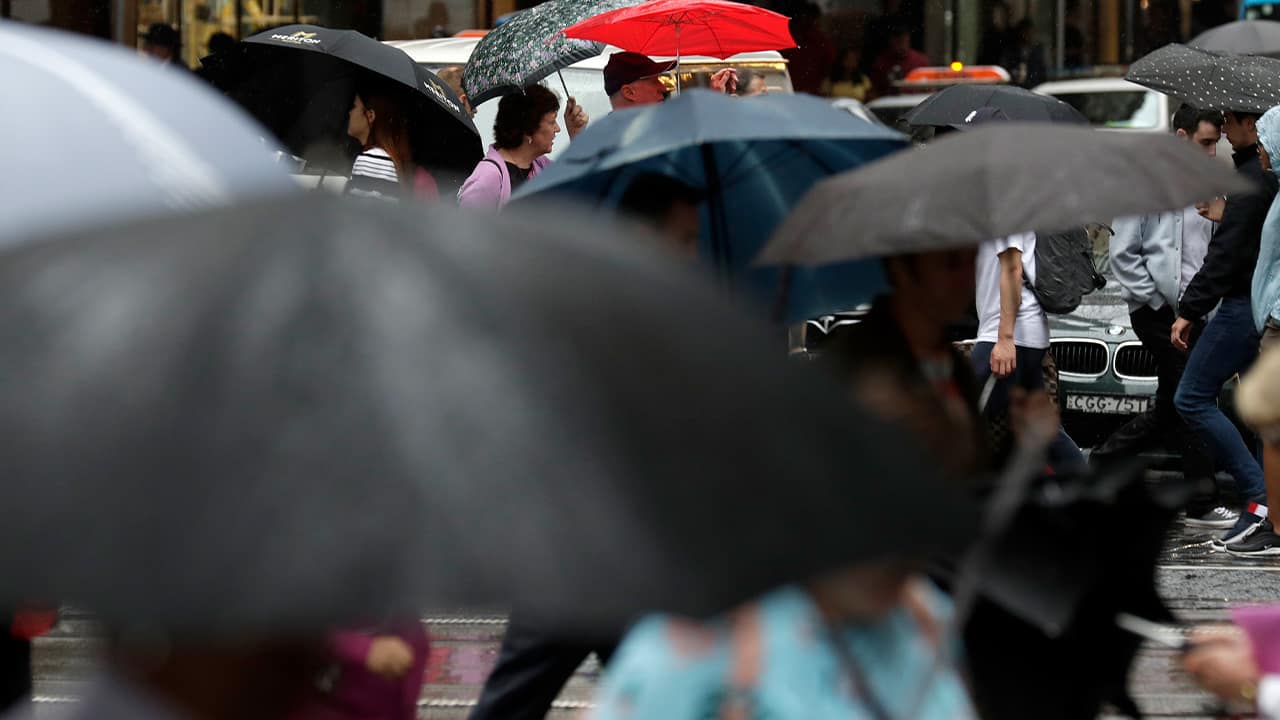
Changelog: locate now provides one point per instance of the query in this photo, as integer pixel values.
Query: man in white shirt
(1013, 333)
(1154, 257)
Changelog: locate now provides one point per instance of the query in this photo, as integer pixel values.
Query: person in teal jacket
(1266, 276)
(866, 644)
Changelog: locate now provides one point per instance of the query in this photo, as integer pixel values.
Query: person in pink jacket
(375, 675)
(524, 132)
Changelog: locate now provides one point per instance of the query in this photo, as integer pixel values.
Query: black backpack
(1065, 272)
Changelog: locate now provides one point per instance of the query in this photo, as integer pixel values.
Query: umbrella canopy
(1242, 37)
(719, 28)
(753, 158)
(323, 410)
(530, 46)
(111, 136)
(955, 105)
(1204, 79)
(299, 80)
(997, 180)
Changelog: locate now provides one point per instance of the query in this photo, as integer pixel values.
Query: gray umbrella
(1210, 80)
(994, 181)
(1242, 37)
(104, 134)
(297, 413)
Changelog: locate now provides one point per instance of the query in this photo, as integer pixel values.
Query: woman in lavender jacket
(524, 132)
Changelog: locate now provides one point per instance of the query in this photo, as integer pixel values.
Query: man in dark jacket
(1229, 343)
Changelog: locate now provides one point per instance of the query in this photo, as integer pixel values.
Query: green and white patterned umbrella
(530, 46)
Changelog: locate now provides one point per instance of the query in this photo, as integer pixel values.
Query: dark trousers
(15, 668)
(532, 669)
(1064, 455)
(1152, 328)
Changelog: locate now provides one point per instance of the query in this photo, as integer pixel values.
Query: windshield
(1128, 109)
(587, 87)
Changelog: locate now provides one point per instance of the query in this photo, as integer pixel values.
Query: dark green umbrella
(530, 46)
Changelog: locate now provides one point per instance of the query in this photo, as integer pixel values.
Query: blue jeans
(1228, 345)
(1064, 454)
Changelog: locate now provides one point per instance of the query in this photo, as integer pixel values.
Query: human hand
(575, 118)
(1004, 358)
(1221, 661)
(1213, 209)
(1180, 334)
(725, 81)
(389, 657)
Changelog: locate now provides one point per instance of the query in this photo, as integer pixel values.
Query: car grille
(1135, 361)
(1080, 357)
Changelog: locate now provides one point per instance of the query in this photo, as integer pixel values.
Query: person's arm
(483, 188)
(1004, 357)
(1232, 252)
(725, 81)
(1128, 263)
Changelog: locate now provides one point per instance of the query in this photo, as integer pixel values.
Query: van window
(1129, 109)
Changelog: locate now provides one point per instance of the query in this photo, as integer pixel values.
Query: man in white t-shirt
(1013, 333)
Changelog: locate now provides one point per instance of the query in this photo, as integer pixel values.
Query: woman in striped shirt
(384, 168)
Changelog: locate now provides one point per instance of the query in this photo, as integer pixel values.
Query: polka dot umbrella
(1211, 80)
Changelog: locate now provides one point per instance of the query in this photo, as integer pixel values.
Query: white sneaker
(1219, 518)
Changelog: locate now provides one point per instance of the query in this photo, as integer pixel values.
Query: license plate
(1107, 404)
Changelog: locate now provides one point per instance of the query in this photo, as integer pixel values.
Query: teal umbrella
(530, 46)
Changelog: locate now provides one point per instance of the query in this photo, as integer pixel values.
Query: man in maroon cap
(631, 79)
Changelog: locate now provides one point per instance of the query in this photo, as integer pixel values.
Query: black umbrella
(1210, 80)
(954, 106)
(1044, 642)
(299, 80)
(1242, 37)
(997, 180)
(296, 413)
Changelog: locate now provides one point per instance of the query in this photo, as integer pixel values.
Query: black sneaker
(1220, 518)
(1263, 541)
(1251, 519)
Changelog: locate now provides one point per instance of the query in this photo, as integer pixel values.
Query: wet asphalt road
(1198, 584)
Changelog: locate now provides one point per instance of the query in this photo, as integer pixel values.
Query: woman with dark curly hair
(524, 132)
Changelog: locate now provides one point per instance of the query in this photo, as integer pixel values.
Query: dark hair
(650, 195)
(838, 73)
(220, 42)
(1188, 119)
(390, 131)
(1244, 115)
(520, 114)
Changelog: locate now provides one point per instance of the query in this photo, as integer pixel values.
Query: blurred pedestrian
(859, 643)
(896, 62)
(632, 80)
(995, 36)
(534, 664)
(810, 60)
(452, 76)
(1265, 290)
(220, 42)
(373, 675)
(162, 42)
(18, 629)
(847, 79)
(1153, 259)
(751, 83)
(1024, 56)
(384, 169)
(670, 207)
(524, 133)
(1228, 344)
(900, 362)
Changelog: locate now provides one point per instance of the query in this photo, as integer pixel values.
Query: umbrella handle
(564, 85)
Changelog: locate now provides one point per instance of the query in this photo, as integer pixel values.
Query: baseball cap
(627, 67)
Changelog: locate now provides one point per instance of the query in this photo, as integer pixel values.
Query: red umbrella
(718, 28)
